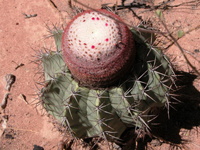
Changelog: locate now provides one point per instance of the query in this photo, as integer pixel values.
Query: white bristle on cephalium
(93, 35)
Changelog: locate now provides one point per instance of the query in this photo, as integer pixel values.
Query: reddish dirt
(27, 126)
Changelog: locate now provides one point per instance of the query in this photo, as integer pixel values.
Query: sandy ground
(22, 125)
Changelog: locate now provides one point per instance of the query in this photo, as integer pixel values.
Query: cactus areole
(97, 48)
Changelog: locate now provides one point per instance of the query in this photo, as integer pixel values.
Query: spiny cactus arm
(124, 105)
(57, 34)
(140, 97)
(52, 61)
(154, 93)
(61, 100)
(156, 84)
(59, 97)
(53, 65)
(148, 90)
(53, 96)
(164, 60)
(75, 113)
(102, 115)
(93, 112)
(155, 73)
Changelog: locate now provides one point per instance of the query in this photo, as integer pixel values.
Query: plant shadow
(183, 114)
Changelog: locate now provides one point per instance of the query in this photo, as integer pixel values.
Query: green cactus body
(107, 112)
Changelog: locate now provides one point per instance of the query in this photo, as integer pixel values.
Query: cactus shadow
(182, 115)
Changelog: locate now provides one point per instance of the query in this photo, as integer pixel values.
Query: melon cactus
(104, 77)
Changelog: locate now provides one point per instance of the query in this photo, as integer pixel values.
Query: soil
(22, 32)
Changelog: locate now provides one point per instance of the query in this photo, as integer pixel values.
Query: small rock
(36, 147)
(155, 142)
(10, 79)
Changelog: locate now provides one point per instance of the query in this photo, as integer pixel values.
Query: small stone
(196, 50)
(36, 147)
(10, 79)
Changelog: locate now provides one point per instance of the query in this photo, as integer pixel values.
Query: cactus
(95, 106)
